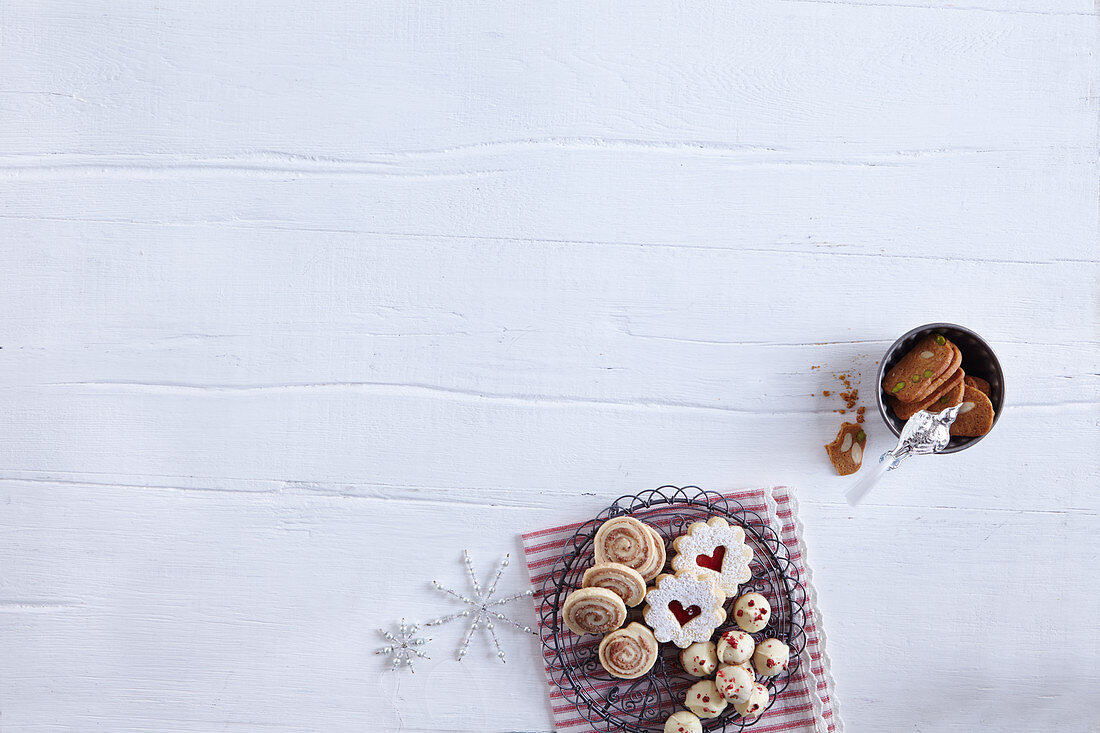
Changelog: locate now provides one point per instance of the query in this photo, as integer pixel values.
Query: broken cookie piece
(846, 452)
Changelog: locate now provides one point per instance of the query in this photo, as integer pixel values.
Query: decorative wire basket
(641, 705)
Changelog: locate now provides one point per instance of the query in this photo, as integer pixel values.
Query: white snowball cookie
(735, 683)
(735, 647)
(758, 700)
(683, 722)
(752, 612)
(704, 700)
(700, 659)
(771, 657)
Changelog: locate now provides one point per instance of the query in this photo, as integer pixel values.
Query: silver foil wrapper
(924, 433)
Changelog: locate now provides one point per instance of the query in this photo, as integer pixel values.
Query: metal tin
(978, 361)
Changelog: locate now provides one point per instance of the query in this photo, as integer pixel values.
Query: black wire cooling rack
(642, 705)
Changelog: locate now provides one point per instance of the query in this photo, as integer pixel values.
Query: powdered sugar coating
(689, 590)
(703, 539)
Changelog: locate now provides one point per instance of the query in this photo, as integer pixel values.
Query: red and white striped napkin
(806, 706)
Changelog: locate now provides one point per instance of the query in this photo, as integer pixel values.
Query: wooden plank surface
(304, 298)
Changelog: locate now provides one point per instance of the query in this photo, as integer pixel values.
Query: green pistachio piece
(898, 387)
(916, 378)
(861, 436)
(927, 373)
(940, 339)
(943, 399)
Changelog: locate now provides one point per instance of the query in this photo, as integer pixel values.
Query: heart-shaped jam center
(713, 561)
(683, 615)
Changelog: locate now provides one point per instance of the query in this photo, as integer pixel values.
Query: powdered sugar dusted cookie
(684, 608)
(629, 542)
(771, 657)
(735, 647)
(700, 659)
(734, 682)
(704, 700)
(757, 702)
(627, 583)
(751, 612)
(683, 722)
(714, 549)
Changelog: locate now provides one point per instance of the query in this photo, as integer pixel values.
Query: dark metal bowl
(978, 361)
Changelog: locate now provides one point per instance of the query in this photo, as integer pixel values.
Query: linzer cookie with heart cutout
(684, 608)
(714, 549)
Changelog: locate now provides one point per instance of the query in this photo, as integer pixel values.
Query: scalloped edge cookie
(689, 590)
(703, 539)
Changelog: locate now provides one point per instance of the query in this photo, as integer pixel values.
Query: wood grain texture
(303, 298)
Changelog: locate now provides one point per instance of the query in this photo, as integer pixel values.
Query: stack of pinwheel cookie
(628, 554)
(684, 607)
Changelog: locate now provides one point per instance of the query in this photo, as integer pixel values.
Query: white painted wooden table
(303, 298)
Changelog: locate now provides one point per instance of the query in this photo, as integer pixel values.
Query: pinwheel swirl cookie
(684, 608)
(625, 582)
(593, 611)
(627, 541)
(714, 549)
(629, 652)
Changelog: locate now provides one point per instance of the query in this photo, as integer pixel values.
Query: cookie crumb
(859, 414)
(826, 393)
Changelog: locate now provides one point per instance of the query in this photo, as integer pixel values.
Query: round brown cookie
(909, 379)
(948, 395)
(979, 384)
(936, 382)
(846, 452)
(975, 416)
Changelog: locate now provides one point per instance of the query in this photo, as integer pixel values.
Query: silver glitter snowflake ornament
(403, 645)
(483, 608)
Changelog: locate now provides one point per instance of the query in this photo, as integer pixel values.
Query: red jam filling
(683, 615)
(714, 561)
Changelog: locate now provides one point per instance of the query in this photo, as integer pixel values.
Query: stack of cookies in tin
(930, 377)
